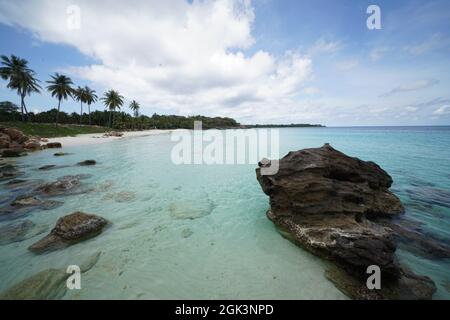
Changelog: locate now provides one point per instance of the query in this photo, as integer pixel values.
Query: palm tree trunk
(57, 112)
(21, 108)
(89, 110)
(25, 108)
(110, 119)
(81, 112)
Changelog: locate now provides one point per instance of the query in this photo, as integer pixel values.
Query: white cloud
(378, 53)
(322, 46)
(444, 110)
(347, 65)
(414, 86)
(411, 109)
(186, 58)
(434, 42)
(311, 90)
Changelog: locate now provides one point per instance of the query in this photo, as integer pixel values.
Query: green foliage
(50, 131)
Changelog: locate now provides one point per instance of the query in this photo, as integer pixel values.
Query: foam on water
(200, 232)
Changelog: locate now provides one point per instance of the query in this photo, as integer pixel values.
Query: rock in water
(327, 202)
(69, 230)
(52, 145)
(87, 163)
(20, 231)
(62, 186)
(47, 284)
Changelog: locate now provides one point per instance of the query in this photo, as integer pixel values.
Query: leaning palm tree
(134, 106)
(80, 95)
(91, 97)
(112, 100)
(60, 87)
(21, 78)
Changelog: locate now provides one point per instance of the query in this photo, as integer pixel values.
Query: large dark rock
(327, 202)
(53, 145)
(69, 230)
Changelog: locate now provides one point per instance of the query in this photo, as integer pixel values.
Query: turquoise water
(231, 250)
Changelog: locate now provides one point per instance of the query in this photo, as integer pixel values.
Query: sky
(261, 61)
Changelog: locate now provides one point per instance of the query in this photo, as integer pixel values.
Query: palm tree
(60, 87)
(134, 106)
(21, 78)
(81, 96)
(91, 97)
(112, 100)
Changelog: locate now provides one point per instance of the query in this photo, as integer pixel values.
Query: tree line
(22, 79)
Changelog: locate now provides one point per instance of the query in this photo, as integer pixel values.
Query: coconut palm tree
(60, 87)
(91, 97)
(80, 95)
(112, 100)
(134, 106)
(21, 78)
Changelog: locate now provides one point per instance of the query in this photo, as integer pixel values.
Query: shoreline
(97, 138)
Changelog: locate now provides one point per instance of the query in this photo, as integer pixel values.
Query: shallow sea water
(230, 250)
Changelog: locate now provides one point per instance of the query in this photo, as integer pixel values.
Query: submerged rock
(9, 171)
(87, 163)
(191, 209)
(69, 230)
(186, 233)
(62, 186)
(32, 201)
(411, 237)
(326, 202)
(20, 231)
(47, 284)
(125, 196)
(61, 154)
(52, 167)
(13, 152)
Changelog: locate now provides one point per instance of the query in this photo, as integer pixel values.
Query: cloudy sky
(262, 61)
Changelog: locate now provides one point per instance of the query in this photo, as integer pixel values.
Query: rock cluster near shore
(329, 203)
(14, 143)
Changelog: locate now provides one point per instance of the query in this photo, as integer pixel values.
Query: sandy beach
(96, 138)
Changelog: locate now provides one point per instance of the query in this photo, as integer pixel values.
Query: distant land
(292, 125)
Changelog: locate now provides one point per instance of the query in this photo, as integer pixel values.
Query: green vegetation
(46, 130)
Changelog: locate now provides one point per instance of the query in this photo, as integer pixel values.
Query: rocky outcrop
(14, 142)
(69, 230)
(328, 203)
(54, 145)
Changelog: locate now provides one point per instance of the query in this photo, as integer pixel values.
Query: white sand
(95, 138)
